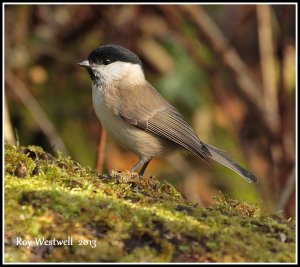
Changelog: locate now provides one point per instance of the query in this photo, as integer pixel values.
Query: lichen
(128, 218)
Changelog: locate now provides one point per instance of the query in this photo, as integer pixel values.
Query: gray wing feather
(170, 125)
(157, 116)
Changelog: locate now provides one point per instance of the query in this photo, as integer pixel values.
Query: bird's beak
(85, 64)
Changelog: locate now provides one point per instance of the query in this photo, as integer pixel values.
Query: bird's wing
(157, 116)
(148, 110)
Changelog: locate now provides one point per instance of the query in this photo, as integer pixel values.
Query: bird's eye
(106, 61)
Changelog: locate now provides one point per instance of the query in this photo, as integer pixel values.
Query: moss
(127, 218)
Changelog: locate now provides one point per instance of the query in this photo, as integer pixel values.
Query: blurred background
(229, 69)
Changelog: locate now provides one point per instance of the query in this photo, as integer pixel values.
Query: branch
(287, 191)
(37, 112)
(268, 62)
(8, 132)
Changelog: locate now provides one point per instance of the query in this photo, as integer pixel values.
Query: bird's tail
(220, 156)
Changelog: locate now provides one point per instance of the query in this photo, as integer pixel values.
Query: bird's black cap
(113, 53)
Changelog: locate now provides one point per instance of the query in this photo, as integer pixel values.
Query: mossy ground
(130, 219)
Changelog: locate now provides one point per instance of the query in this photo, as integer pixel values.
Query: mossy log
(73, 214)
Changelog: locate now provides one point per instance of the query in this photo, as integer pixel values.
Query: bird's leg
(136, 166)
(141, 173)
(143, 162)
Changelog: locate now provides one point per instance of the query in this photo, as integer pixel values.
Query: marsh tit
(137, 116)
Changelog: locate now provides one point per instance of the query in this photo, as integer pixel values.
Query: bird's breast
(130, 137)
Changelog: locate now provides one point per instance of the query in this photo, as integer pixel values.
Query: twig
(268, 62)
(286, 194)
(8, 132)
(101, 150)
(37, 112)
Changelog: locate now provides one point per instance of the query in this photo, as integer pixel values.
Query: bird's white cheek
(127, 72)
(122, 70)
(118, 70)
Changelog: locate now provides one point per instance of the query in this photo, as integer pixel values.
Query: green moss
(130, 219)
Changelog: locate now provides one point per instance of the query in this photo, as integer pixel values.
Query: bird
(134, 113)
